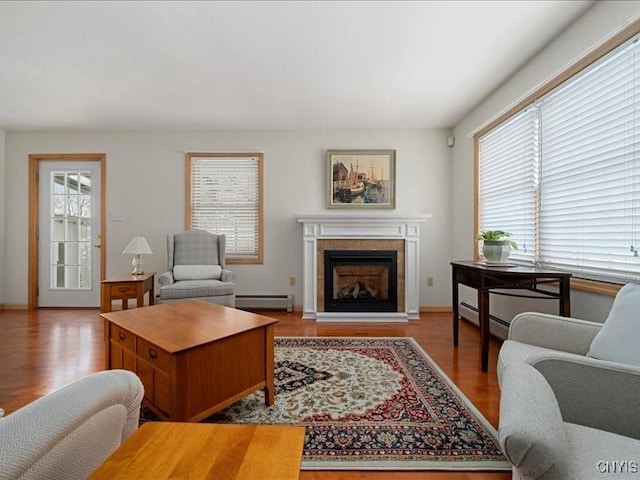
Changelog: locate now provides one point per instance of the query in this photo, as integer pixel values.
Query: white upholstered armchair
(570, 390)
(196, 269)
(70, 432)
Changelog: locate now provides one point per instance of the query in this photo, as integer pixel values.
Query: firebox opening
(360, 281)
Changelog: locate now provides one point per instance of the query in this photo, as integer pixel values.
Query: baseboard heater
(265, 302)
(500, 327)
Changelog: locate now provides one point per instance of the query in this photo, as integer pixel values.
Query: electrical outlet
(429, 281)
(292, 281)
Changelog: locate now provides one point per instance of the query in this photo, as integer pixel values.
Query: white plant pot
(496, 251)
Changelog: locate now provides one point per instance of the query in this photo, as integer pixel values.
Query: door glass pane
(85, 230)
(71, 230)
(84, 206)
(57, 185)
(85, 182)
(71, 253)
(85, 253)
(57, 230)
(70, 220)
(57, 253)
(57, 205)
(72, 206)
(85, 276)
(72, 183)
(57, 277)
(71, 276)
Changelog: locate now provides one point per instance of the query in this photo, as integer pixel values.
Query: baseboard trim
(14, 306)
(424, 309)
(24, 306)
(435, 309)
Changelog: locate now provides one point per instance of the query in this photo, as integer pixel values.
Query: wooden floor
(44, 350)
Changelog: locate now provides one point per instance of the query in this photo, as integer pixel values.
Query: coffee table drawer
(154, 355)
(124, 338)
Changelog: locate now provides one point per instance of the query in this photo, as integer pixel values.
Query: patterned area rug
(372, 404)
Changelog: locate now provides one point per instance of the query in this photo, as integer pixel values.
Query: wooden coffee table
(194, 357)
(163, 450)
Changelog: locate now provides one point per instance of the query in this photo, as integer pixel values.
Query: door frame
(34, 213)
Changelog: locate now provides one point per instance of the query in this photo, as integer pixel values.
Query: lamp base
(136, 266)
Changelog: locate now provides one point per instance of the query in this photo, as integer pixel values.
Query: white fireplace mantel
(361, 226)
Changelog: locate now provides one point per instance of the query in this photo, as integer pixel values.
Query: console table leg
(483, 320)
(565, 297)
(454, 310)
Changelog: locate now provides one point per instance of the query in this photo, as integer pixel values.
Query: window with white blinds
(508, 183)
(578, 206)
(225, 197)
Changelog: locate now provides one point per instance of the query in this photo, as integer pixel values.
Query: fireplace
(361, 231)
(360, 281)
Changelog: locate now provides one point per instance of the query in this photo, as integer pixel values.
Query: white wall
(595, 25)
(145, 182)
(2, 216)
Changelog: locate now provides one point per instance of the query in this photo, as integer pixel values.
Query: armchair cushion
(196, 247)
(196, 288)
(619, 337)
(197, 272)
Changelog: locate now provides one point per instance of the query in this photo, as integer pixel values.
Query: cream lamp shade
(137, 246)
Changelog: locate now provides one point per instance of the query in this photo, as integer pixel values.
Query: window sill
(593, 286)
(243, 261)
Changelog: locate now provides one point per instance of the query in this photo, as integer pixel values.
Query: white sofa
(67, 434)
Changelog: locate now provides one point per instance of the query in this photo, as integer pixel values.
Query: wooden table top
(129, 278)
(510, 269)
(163, 450)
(178, 326)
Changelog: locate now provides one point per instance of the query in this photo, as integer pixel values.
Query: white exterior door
(69, 236)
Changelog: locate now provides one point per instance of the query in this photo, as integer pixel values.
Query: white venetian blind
(591, 170)
(225, 199)
(508, 180)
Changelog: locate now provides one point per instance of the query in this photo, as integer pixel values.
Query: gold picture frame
(361, 179)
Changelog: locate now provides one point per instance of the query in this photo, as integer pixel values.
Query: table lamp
(137, 246)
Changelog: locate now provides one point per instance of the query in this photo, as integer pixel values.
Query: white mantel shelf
(361, 226)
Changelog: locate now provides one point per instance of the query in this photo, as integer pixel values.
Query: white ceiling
(262, 65)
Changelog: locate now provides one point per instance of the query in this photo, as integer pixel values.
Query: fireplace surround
(348, 231)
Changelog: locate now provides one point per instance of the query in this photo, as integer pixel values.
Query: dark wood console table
(486, 279)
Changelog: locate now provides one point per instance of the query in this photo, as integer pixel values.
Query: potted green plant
(496, 245)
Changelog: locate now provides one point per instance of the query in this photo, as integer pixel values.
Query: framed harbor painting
(361, 179)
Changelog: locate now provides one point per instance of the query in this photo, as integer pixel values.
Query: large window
(224, 196)
(562, 173)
